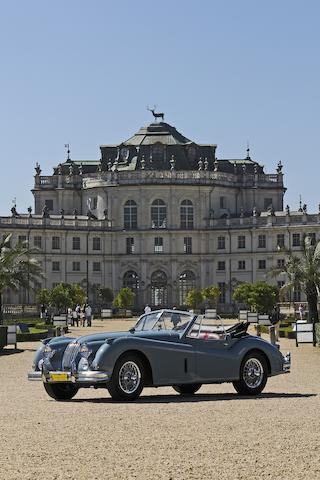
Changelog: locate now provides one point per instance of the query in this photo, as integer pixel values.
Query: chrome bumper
(88, 376)
(286, 363)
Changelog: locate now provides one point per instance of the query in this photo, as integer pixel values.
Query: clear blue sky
(225, 72)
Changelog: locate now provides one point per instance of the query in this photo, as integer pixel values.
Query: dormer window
(124, 153)
(192, 152)
(157, 151)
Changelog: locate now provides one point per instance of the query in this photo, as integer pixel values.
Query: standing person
(88, 315)
(75, 319)
(69, 316)
(43, 309)
(301, 311)
(83, 315)
(147, 309)
(78, 311)
(275, 320)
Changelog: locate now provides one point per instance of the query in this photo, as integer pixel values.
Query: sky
(226, 72)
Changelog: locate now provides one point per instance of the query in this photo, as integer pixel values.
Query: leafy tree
(194, 298)
(18, 267)
(43, 297)
(211, 294)
(124, 299)
(77, 294)
(105, 295)
(60, 297)
(65, 295)
(303, 272)
(260, 297)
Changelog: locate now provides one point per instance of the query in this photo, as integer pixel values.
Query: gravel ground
(214, 435)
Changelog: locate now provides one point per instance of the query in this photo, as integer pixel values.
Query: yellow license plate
(59, 377)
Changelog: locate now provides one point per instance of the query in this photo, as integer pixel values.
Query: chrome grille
(69, 355)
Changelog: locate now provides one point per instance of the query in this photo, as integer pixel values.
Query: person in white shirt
(88, 315)
(147, 309)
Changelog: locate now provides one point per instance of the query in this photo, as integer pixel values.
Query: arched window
(187, 281)
(131, 280)
(130, 215)
(158, 214)
(159, 288)
(186, 214)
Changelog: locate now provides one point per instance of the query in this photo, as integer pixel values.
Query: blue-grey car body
(170, 357)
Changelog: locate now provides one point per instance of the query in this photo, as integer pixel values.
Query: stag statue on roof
(156, 114)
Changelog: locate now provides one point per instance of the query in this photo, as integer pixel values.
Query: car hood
(168, 336)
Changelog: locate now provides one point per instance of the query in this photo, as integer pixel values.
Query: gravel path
(214, 435)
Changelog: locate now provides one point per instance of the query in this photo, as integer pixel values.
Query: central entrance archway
(159, 289)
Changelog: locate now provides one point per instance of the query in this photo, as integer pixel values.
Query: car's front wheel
(61, 391)
(253, 375)
(187, 389)
(127, 379)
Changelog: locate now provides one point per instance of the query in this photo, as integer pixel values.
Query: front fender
(108, 354)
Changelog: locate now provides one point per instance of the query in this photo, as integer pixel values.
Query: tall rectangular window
(241, 241)
(222, 202)
(221, 265)
(262, 241)
(221, 243)
(280, 240)
(22, 238)
(37, 241)
(296, 239)
(158, 245)
(222, 288)
(55, 243)
(75, 243)
(96, 266)
(130, 245)
(187, 245)
(281, 263)
(241, 265)
(261, 264)
(49, 205)
(96, 243)
(130, 215)
(76, 266)
(56, 266)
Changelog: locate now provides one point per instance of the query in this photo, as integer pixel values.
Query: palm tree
(18, 269)
(303, 272)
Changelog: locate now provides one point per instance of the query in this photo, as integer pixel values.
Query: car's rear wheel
(61, 391)
(187, 389)
(127, 379)
(253, 375)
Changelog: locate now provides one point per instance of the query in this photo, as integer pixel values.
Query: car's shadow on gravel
(200, 397)
(11, 351)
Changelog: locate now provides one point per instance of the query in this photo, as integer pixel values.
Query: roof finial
(300, 203)
(248, 149)
(156, 114)
(66, 145)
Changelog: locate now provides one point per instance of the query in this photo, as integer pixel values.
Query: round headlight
(83, 364)
(48, 352)
(84, 351)
(40, 363)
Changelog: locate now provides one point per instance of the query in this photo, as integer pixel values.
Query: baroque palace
(160, 214)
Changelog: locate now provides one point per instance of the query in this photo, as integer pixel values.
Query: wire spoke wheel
(253, 373)
(129, 377)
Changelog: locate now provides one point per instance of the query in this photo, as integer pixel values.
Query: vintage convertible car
(166, 347)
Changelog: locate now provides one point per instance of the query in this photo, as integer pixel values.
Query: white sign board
(264, 320)
(252, 317)
(304, 332)
(211, 313)
(243, 315)
(12, 335)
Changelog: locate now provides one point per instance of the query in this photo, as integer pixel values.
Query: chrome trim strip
(90, 376)
(35, 376)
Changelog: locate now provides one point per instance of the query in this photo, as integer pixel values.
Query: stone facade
(159, 222)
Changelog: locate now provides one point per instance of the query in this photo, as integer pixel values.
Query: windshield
(164, 320)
